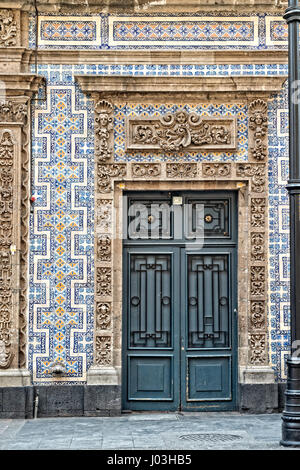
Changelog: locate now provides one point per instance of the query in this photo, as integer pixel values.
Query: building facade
(124, 128)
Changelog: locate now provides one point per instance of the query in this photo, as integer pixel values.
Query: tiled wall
(61, 318)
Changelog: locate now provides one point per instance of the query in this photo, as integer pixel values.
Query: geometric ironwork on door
(179, 322)
(150, 301)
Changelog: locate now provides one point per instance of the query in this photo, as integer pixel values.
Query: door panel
(209, 378)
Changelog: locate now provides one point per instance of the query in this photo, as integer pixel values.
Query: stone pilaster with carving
(256, 172)
(14, 194)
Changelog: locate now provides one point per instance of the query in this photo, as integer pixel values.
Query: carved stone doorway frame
(249, 178)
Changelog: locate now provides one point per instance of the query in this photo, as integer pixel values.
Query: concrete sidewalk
(155, 431)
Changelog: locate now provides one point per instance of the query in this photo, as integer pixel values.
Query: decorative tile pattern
(277, 31)
(144, 31)
(61, 254)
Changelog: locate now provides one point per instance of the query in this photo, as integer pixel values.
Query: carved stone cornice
(170, 57)
(145, 6)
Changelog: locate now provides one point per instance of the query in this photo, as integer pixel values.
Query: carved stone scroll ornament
(258, 349)
(104, 248)
(106, 172)
(103, 130)
(13, 112)
(103, 281)
(216, 169)
(8, 28)
(178, 131)
(258, 212)
(144, 170)
(258, 124)
(104, 216)
(257, 172)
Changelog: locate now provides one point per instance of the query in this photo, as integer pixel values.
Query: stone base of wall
(105, 400)
(259, 398)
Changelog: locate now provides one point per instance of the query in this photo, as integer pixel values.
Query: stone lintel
(250, 85)
(15, 378)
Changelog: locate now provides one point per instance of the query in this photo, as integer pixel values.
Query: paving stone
(147, 431)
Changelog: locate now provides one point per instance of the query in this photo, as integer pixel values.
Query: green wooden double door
(179, 302)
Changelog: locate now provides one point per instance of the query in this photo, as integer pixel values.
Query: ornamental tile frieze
(177, 131)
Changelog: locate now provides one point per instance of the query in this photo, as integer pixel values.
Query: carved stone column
(257, 369)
